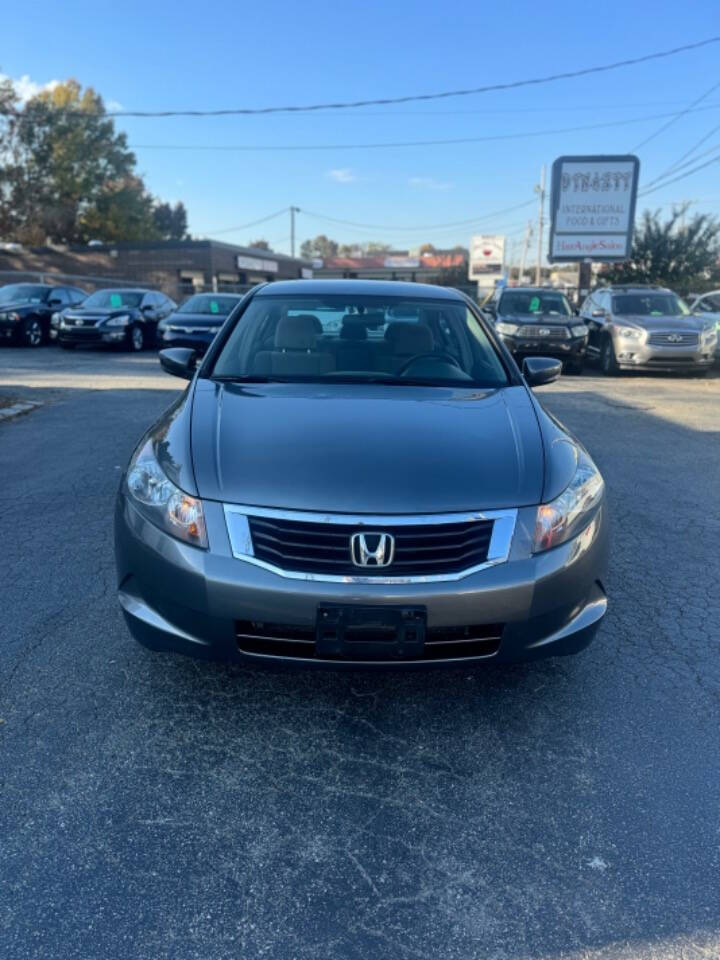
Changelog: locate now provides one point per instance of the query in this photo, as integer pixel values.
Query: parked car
(707, 306)
(124, 318)
(536, 321)
(321, 496)
(635, 327)
(196, 322)
(26, 309)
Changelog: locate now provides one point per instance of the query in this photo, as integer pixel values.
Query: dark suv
(535, 321)
(635, 327)
(123, 318)
(26, 309)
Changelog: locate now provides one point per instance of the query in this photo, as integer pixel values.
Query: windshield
(213, 306)
(360, 339)
(112, 299)
(519, 302)
(24, 292)
(648, 305)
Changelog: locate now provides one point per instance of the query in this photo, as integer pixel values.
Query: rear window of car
(648, 305)
(360, 339)
(23, 293)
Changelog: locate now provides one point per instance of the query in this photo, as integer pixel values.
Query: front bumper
(520, 347)
(643, 356)
(96, 336)
(194, 341)
(180, 598)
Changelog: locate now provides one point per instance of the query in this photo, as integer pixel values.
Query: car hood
(545, 319)
(98, 314)
(22, 305)
(366, 448)
(195, 320)
(660, 323)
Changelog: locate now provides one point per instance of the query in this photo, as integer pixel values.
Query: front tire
(136, 338)
(32, 333)
(608, 360)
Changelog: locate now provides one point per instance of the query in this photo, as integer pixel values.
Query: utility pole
(293, 211)
(540, 190)
(526, 247)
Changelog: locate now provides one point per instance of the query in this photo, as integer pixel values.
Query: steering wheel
(428, 356)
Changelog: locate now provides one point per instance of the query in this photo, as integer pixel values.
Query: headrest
(409, 338)
(297, 333)
(353, 328)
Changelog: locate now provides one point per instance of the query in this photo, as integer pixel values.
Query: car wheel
(136, 339)
(67, 346)
(573, 367)
(608, 360)
(32, 333)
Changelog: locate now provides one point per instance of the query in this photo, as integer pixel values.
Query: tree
(69, 177)
(171, 222)
(321, 247)
(260, 245)
(427, 248)
(681, 257)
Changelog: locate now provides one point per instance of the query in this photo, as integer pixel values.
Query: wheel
(32, 333)
(67, 346)
(574, 367)
(608, 360)
(136, 338)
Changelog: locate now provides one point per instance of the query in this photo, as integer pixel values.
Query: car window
(76, 295)
(112, 299)
(709, 304)
(529, 302)
(59, 293)
(24, 293)
(209, 304)
(360, 338)
(648, 305)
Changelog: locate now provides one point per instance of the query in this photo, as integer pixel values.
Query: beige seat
(295, 352)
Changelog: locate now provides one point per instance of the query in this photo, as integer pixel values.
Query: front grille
(298, 642)
(671, 339)
(553, 333)
(324, 548)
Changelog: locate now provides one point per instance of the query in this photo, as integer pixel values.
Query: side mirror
(179, 361)
(54, 302)
(540, 370)
(148, 308)
(598, 313)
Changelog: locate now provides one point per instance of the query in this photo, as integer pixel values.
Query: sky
(220, 54)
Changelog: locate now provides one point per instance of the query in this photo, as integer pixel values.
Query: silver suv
(645, 327)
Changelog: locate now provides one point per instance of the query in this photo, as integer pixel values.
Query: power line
(677, 166)
(682, 176)
(253, 223)
(676, 117)
(425, 226)
(255, 148)
(383, 101)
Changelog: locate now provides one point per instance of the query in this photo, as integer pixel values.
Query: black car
(26, 309)
(534, 321)
(197, 321)
(124, 318)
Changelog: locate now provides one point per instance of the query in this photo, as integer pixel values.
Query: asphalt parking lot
(151, 806)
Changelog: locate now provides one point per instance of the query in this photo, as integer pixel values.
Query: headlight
(161, 502)
(55, 321)
(565, 516)
(709, 334)
(122, 321)
(507, 328)
(579, 330)
(13, 317)
(630, 333)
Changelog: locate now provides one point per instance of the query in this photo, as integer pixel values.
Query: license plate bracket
(357, 632)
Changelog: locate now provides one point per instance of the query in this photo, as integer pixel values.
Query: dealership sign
(487, 257)
(255, 263)
(592, 207)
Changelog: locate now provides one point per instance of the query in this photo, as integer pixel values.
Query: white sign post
(487, 259)
(592, 208)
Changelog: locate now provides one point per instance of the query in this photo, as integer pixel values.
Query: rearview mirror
(179, 361)
(540, 370)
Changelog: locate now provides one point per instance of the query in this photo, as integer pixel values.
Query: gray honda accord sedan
(359, 475)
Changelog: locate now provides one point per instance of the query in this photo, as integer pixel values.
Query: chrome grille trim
(687, 339)
(236, 519)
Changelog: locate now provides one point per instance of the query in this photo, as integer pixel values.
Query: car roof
(532, 290)
(367, 288)
(636, 288)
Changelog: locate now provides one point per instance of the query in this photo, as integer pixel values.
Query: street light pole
(540, 190)
(293, 211)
